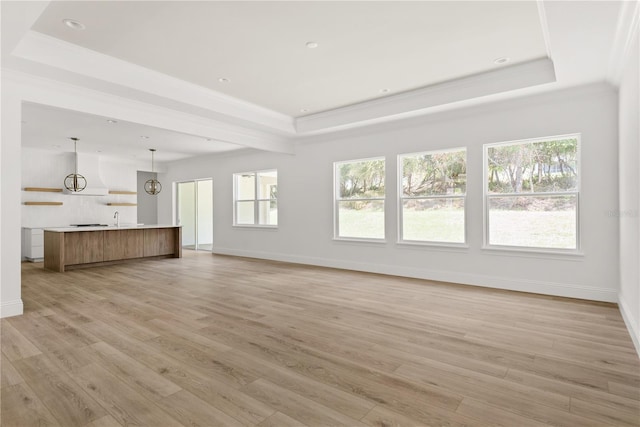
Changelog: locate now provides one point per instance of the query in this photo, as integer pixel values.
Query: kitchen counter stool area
(68, 248)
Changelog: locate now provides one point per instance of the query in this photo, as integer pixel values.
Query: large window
(531, 193)
(255, 198)
(432, 197)
(359, 199)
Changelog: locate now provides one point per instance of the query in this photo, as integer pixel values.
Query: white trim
(58, 94)
(568, 290)
(531, 252)
(433, 245)
(337, 200)
(57, 53)
(504, 79)
(360, 240)
(626, 29)
(401, 198)
(255, 226)
(255, 200)
(486, 195)
(11, 308)
(544, 26)
(630, 322)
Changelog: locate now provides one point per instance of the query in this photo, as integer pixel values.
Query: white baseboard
(11, 308)
(523, 285)
(631, 324)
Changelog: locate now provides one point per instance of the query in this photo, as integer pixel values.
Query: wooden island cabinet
(67, 248)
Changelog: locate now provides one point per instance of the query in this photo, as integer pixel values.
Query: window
(255, 198)
(432, 197)
(531, 193)
(359, 199)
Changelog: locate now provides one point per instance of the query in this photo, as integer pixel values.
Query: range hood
(89, 167)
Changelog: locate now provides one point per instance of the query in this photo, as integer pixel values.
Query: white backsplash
(45, 168)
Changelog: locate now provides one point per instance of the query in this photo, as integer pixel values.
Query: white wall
(10, 239)
(47, 168)
(629, 181)
(305, 191)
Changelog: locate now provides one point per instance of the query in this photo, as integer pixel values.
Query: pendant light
(75, 182)
(152, 186)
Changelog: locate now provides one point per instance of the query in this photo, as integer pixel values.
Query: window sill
(256, 227)
(456, 247)
(570, 255)
(376, 242)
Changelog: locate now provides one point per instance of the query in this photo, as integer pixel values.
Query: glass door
(194, 211)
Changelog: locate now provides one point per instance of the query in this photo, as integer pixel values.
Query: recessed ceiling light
(303, 110)
(502, 60)
(112, 121)
(384, 90)
(223, 80)
(312, 45)
(144, 137)
(73, 24)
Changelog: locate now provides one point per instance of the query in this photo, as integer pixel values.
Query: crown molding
(532, 73)
(626, 31)
(81, 61)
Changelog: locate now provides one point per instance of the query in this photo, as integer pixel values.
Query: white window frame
(337, 199)
(402, 198)
(256, 201)
(487, 196)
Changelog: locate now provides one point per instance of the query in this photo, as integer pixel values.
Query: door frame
(195, 198)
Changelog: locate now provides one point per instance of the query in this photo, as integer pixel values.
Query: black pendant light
(152, 186)
(75, 182)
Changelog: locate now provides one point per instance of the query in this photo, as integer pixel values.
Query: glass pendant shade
(74, 181)
(152, 186)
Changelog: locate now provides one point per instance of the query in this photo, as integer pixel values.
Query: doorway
(194, 211)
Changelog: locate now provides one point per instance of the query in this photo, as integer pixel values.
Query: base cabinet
(72, 249)
(124, 244)
(33, 244)
(84, 247)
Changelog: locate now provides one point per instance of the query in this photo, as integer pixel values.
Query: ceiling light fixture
(384, 90)
(312, 45)
(223, 80)
(113, 122)
(73, 24)
(144, 137)
(501, 61)
(304, 110)
(152, 186)
(75, 182)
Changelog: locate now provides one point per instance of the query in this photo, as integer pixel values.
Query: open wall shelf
(43, 203)
(133, 193)
(44, 189)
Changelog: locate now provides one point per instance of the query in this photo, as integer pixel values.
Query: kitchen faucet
(117, 218)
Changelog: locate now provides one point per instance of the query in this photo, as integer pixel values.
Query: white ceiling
(50, 128)
(154, 66)
(363, 47)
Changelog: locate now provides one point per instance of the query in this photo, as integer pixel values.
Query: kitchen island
(77, 247)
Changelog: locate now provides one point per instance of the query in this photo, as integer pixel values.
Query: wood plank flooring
(211, 340)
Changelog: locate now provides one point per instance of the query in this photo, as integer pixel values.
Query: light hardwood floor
(220, 341)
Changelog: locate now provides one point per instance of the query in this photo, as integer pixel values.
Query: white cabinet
(33, 244)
